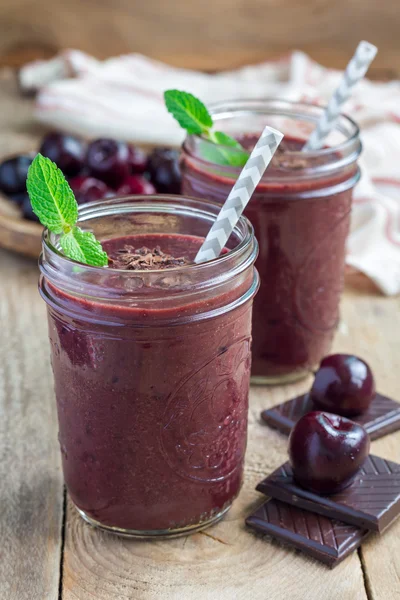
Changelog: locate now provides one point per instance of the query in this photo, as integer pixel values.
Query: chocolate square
(382, 417)
(327, 540)
(372, 501)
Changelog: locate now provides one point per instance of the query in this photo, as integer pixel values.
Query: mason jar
(152, 368)
(300, 212)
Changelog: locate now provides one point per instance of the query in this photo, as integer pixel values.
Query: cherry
(136, 184)
(67, 151)
(344, 385)
(27, 210)
(13, 172)
(108, 160)
(88, 189)
(19, 199)
(164, 170)
(137, 160)
(326, 451)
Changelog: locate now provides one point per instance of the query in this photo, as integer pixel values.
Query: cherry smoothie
(300, 212)
(151, 362)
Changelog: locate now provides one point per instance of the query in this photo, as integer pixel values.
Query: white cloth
(123, 98)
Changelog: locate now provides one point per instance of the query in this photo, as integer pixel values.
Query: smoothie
(152, 388)
(300, 212)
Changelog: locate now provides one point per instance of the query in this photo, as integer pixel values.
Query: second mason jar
(301, 215)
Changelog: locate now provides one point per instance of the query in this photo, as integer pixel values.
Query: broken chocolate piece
(381, 418)
(372, 501)
(327, 540)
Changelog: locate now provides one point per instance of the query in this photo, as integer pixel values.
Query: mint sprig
(54, 203)
(220, 154)
(83, 247)
(193, 116)
(51, 197)
(190, 112)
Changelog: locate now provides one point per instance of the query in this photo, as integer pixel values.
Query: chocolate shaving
(144, 259)
(287, 155)
(285, 159)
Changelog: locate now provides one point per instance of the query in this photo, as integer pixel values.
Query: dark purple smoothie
(152, 399)
(301, 219)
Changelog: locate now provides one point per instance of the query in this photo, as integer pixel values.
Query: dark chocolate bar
(382, 417)
(327, 540)
(372, 501)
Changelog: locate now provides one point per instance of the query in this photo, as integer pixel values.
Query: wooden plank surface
(31, 491)
(227, 561)
(219, 563)
(224, 562)
(208, 35)
(373, 330)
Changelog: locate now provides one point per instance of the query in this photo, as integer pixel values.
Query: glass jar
(300, 212)
(151, 370)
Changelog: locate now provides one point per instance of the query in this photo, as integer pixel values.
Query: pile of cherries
(103, 168)
(327, 449)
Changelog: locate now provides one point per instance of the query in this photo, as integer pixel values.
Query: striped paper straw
(240, 195)
(355, 70)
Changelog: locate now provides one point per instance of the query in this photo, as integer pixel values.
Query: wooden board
(16, 233)
(207, 35)
(19, 134)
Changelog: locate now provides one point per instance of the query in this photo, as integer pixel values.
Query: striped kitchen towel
(122, 97)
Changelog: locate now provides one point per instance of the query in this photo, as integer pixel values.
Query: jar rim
(147, 203)
(64, 282)
(285, 108)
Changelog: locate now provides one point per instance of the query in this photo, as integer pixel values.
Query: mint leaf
(193, 116)
(51, 197)
(219, 152)
(54, 203)
(83, 247)
(190, 112)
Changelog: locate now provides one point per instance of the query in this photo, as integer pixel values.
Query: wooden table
(48, 553)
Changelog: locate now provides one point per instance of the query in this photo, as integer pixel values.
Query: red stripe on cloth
(387, 180)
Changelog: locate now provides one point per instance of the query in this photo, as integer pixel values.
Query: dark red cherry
(344, 385)
(164, 170)
(27, 210)
(135, 184)
(326, 451)
(137, 160)
(108, 160)
(67, 151)
(19, 199)
(88, 189)
(13, 172)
